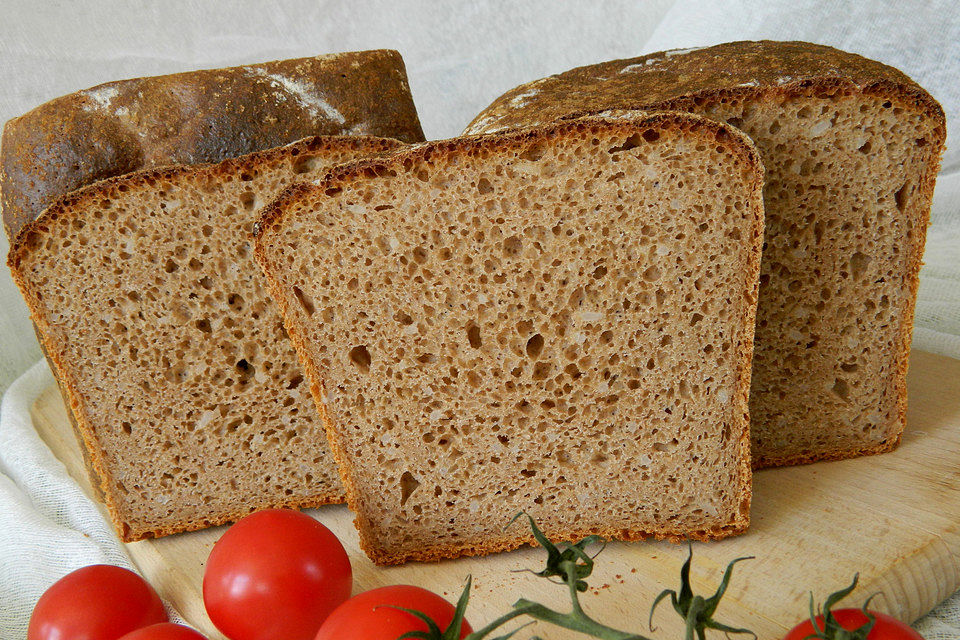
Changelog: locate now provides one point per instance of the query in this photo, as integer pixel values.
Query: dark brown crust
(677, 79)
(194, 118)
(73, 205)
(685, 81)
(274, 216)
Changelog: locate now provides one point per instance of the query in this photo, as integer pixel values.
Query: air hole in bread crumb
(245, 371)
(541, 371)
(632, 142)
(295, 382)
(408, 484)
(841, 388)
(535, 346)
(305, 164)
(666, 446)
(361, 358)
(901, 196)
(473, 336)
(858, 264)
(248, 199)
(170, 266)
(512, 246)
(484, 187)
(304, 301)
(533, 153)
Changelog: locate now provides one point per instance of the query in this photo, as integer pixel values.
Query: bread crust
(275, 215)
(72, 205)
(195, 118)
(686, 79)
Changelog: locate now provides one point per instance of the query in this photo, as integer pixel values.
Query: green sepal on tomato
(850, 623)
(98, 602)
(275, 575)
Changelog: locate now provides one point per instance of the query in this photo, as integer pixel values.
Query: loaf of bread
(851, 148)
(557, 320)
(184, 387)
(197, 117)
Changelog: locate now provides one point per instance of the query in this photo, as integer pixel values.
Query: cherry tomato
(99, 602)
(275, 575)
(371, 616)
(164, 631)
(886, 627)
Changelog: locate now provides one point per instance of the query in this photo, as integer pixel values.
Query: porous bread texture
(557, 320)
(851, 149)
(186, 391)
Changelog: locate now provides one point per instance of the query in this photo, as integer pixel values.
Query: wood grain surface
(894, 518)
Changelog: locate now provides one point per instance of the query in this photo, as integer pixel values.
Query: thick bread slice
(185, 389)
(197, 117)
(851, 148)
(557, 320)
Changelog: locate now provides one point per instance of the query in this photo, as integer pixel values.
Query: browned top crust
(197, 117)
(674, 79)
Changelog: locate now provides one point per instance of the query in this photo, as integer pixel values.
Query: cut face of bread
(851, 149)
(186, 392)
(557, 320)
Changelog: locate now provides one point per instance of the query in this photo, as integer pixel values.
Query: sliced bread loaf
(851, 149)
(197, 117)
(558, 320)
(186, 392)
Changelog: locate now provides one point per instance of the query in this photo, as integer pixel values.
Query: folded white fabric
(48, 526)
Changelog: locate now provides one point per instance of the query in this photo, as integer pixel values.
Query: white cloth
(48, 526)
(459, 57)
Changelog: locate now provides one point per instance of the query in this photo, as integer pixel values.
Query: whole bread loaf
(851, 149)
(185, 390)
(197, 117)
(557, 320)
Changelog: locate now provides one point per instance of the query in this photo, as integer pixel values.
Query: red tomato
(99, 602)
(371, 616)
(886, 627)
(164, 631)
(275, 575)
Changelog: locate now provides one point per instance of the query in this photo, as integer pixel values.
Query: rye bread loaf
(851, 149)
(557, 320)
(185, 389)
(197, 117)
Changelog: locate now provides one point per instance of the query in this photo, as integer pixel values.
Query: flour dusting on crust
(304, 93)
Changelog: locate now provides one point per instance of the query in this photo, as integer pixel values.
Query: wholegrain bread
(557, 320)
(197, 117)
(851, 148)
(186, 392)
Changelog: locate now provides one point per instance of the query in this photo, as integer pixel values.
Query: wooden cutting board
(894, 518)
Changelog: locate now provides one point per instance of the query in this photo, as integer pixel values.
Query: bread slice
(185, 389)
(197, 117)
(851, 148)
(558, 320)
